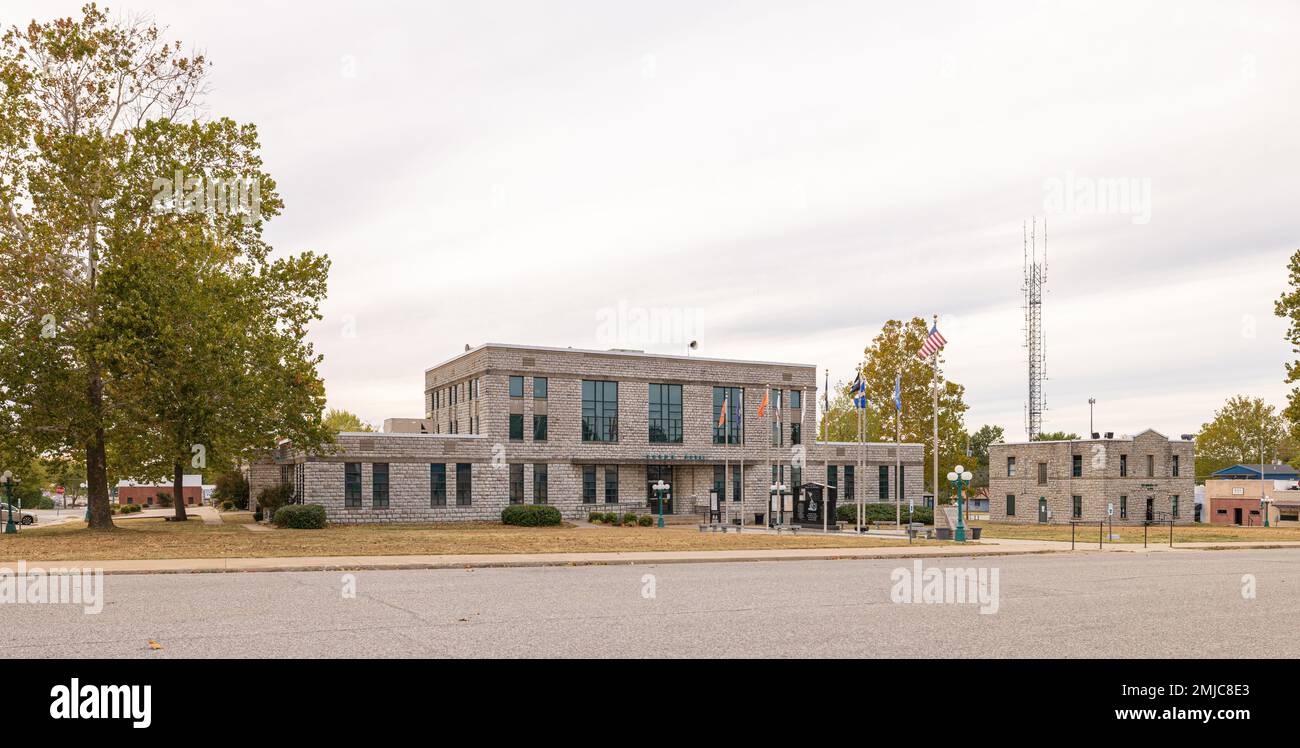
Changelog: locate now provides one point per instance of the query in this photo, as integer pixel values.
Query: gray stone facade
(468, 412)
(1132, 474)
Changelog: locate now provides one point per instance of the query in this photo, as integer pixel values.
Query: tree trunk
(178, 490)
(97, 466)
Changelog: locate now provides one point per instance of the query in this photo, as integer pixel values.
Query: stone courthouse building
(586, 430)
(1144, 477)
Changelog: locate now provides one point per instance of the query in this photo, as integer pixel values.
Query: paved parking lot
(1097, 605)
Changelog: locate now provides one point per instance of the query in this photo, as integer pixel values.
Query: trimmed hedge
(300, 517)
(883, 513)
(531, 515)
(646, 521)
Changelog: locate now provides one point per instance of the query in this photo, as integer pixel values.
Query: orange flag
(762, 407)
(722, 419)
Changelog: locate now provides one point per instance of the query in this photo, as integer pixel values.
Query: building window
(352, 484)
(1173, 505)
(516, 386)
(720, 481)
(796, 477)
(796, 399)
(541, 387)
(516, 483)
(589, 484)
(599, 411)
(1151, 466)
(848, 482)
(901, 483)
(539, 483)
(1078, 506)
(1011, 467)
(1123, 507)
(463, 479)
(884, 483)
(437, 484)
(666, 413)
(1173, 468)
(473, 389)
(735, 484)
(516, 427)
(777, 434)
(1011, 505)
(1042, 473)
(1123, 466)
(732, 430)
(379, 485)
(796, 433)
(1076, 466)
(611, 484)
(833, 478)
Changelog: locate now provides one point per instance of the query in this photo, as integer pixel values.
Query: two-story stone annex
(587, 430)
(1144, 477)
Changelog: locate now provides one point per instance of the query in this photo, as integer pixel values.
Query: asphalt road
(1187, 604)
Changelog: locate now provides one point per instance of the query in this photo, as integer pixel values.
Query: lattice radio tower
(1035, 279)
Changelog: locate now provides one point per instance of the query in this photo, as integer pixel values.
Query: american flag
(934, 342)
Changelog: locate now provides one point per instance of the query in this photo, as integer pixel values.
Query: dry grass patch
(1156, 534)
(154, 538)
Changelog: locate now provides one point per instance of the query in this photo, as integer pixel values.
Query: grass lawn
(237, 517)
(155, 538)
(1130, 534)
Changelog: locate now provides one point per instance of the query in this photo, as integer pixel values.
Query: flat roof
(614, 352)
(1120, 438)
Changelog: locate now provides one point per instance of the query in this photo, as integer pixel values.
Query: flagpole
(771, 437)
(898, 451)
(935, 387)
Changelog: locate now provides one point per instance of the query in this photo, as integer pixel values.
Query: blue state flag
(859, 392)
(898, 393)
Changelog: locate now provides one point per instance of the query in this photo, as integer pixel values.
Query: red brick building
(129, 492)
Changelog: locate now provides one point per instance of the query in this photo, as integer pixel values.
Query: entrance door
(654, 474)
(1042, 510)
(1236, 516)
(1151, 509)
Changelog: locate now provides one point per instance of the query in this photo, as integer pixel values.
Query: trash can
(975, 532)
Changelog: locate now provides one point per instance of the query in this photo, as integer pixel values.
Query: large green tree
(75, 94)
(1288, 308)
(1238, 432)
(891, 352)
(1056, 436)
(979, 442)
(342, 420)
(154, 331)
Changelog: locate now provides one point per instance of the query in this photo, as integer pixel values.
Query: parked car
(20, 516)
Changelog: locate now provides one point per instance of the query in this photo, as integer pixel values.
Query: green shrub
(629, 518)
(610, 518)
(531, 515)
(164, 499)
(232, 487)
(300, 517)
(883, 513)
(595, 517)
(646, 521)
(274, 497)
(45, 502)
(227, 506)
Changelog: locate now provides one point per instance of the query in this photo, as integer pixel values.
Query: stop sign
(58, 490)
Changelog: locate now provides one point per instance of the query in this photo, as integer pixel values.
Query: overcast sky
(777, 179)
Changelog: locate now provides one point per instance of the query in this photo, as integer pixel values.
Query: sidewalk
(988, 548)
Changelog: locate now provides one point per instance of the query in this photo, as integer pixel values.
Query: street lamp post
(661, 488)
(1263, 503)
(9, 481)
(960, 478)
(1091, 402)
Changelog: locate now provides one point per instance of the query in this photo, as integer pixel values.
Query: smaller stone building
(1126, 479)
